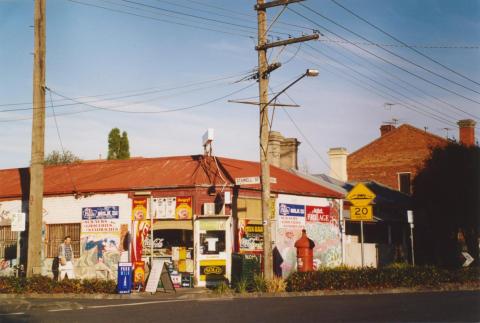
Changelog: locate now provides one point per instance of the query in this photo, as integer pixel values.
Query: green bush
(46, 285)
(388, 277)
(259, 283)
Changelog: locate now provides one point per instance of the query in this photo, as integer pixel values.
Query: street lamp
(309, 72)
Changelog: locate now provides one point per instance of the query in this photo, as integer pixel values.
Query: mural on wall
(322, 225)
(100, 246)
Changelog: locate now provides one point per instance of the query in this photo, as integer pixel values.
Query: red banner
(318, 214)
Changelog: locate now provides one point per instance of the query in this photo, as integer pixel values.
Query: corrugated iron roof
(154, 173)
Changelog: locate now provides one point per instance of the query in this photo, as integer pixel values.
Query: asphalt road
(463, 306)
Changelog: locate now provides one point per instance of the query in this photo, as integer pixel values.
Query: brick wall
(401, 150)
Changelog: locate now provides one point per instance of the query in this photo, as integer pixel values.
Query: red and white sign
(318, 214)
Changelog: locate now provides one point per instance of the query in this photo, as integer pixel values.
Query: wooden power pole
(35, 207)
(263, 73)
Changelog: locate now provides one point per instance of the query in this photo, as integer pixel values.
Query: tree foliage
(118, 145)
(61, 158)
(447, 198)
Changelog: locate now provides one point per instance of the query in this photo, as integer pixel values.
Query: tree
(118, 146)
(447, 199)
(61, 158)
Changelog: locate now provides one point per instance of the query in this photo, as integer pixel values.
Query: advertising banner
(291, 215)
(139, 275)
(139, 209)
(142, 232)
(183, 210)
(164, 207)
(318, 214)
(213, 270)
(102, 212)
(124, 281)
(250, 236)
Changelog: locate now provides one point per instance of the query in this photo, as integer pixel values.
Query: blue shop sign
(124, 282)
(291, 209)
(101, 212)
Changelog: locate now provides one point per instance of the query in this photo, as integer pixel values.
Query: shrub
(241, 286)
(275, 285)
(259, 283)
(388, 277)
(44, 285)
(222, 289)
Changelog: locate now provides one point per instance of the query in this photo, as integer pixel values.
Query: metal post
(361, 243)
(411, 241)
(342, 233)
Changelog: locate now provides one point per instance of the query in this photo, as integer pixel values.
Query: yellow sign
(360, 195)
(361, 213)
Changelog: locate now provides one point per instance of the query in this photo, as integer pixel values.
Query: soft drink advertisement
(250, 236)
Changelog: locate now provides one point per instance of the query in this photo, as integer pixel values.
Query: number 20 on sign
(361, 213)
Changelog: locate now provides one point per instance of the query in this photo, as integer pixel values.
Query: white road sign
(18, 222)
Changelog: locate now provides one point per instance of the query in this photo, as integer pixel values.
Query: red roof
(155, 173)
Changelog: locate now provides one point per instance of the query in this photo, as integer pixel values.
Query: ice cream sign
(291, 215)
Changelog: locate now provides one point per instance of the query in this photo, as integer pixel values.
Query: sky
(163, 71)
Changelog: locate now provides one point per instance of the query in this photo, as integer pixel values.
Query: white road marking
(18, 313)
(135, 304)
(64, 309)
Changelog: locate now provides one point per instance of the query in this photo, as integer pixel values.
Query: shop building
(200, 210)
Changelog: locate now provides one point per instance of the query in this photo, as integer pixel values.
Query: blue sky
(92, 52)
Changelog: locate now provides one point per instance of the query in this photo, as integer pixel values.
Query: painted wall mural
(322, 226)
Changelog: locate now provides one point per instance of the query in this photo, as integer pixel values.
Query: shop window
(55, 235)
(8, 243)
(404, 183)
(212, 242)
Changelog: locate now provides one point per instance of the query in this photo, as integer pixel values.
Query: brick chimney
(467, 132)
(338, 163)
(282, 152)
(386, 128)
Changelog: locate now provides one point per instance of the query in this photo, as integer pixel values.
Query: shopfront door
(213, 250)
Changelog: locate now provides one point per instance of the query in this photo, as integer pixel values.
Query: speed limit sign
(361, 213)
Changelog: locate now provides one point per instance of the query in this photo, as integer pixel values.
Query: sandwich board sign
(159, 272)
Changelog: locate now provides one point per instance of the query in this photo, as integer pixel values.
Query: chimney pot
(338, 163)
(386, 128)
(467, 132)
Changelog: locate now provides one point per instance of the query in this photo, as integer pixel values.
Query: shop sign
(124, 281)
(212, 269)
(139, 208)
(212, 225)
(318, 214)
(102, 212)
(183, 210)
(97, 226)
(139, 275)
(250, 236)
(164, 207)
(291, 215)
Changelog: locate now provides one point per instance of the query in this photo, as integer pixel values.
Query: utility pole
(35, 207)
(263, 73)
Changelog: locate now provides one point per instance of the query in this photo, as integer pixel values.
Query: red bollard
(304, 247)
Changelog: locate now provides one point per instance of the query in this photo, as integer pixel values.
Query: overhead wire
(202, 27)
(383, 85)
(403, 43)
(391, 52)
(139, 92)
(453, 107)
(388, 61)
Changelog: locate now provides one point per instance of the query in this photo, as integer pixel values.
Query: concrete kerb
(203, 294)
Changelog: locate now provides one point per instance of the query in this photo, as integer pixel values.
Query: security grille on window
(405, 183)
(8, 243)
(55, 235)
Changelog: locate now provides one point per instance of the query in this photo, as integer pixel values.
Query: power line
(403, 43)
(402, 46)
(161, 20)
(140, 92)
(404, 82)
(393, 53)
(438, 118)
(387, 61)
